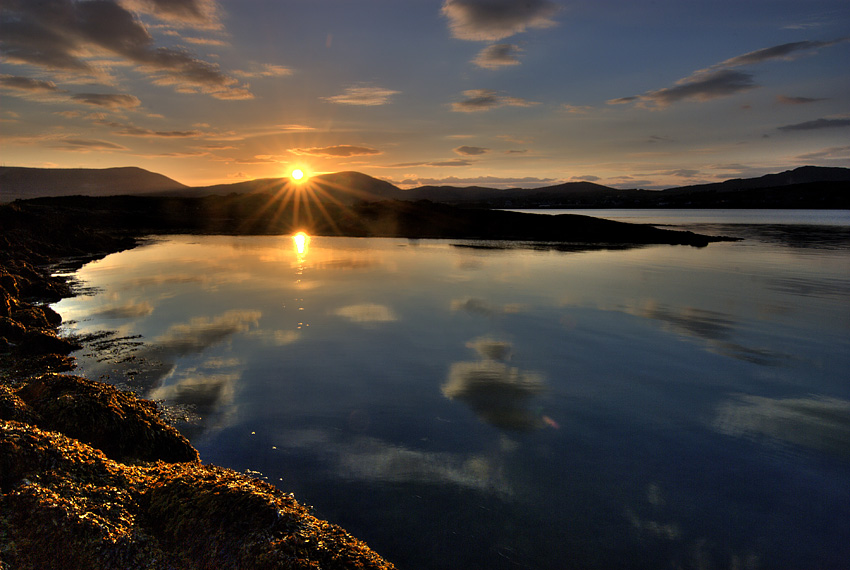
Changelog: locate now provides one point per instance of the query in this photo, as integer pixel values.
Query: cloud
(831, 153)
(471, 150)
(202, 14)
(204, 41)
(497, 55)
(493, 20)
(441, 163)
(489, 181)
(485, 100)
(720, 79)
(589, 178)
(783, 52)
(817, 124)
(265, 70)
(702, 86)
(64, 35)
(368, 96)
(785, 100)
(134, 131)
(342, 150)
(109, 100)
(576, 109)
(682, 173)
(85, 145)
(27, 84)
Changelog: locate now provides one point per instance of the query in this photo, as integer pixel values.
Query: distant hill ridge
(804, 187)
(20, 183)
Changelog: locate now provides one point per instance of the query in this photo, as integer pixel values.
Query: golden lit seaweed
(122, 426)
(66, 505)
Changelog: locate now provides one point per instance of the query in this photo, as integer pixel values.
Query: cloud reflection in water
(815, 422)
(498, 394)
(371, 459)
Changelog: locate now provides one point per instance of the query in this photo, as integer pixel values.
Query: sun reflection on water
(302, 243)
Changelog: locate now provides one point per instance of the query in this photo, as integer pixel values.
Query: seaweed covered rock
(121, 425)
(66, 505)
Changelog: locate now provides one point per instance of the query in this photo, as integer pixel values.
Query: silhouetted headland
(264, 214)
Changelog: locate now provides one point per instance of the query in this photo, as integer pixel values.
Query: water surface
(467, 405)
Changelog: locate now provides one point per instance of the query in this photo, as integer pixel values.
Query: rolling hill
(19, 183)
(804, 187)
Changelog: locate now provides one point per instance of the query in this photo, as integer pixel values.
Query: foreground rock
(66, 505)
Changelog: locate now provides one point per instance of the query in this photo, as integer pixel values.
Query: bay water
(462, 404)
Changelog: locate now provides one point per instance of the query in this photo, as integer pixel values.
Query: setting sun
(297, 174)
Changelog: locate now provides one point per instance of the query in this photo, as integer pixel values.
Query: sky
(501, 93)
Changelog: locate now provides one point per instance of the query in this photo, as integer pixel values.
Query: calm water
(464, 405)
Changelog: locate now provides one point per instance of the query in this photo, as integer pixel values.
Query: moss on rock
(65, 504)
(124, 427)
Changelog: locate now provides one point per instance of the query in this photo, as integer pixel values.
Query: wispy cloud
(817, 124)
(449, 162)
(785, 52)
(785, 100)
(701, 86)
(109, 100)
(265, 70)
(61, 35)
(576, 109)
(362, 95)
(27, 84)
(485, 100)
(497, 55)
(342, 150)
(493, 20)
(831, 153)
(134, 131)
(84, 145)
(490, 181)
(721, 79)
(471, 150)
(203, 14)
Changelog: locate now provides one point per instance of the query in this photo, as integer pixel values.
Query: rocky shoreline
(92, 477)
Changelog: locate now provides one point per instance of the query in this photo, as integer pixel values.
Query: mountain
(342, 187)
(19, 183)
(801, 175)
(804, 187)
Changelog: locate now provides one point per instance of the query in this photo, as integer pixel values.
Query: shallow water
(513, 407)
